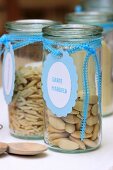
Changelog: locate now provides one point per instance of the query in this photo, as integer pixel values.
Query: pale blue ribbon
(17, 41)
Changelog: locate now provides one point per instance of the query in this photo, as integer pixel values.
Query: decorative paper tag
(59, 83)
(8, 73)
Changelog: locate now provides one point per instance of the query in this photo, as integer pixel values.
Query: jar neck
(72, 32)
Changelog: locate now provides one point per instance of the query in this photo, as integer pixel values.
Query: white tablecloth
(101, 159)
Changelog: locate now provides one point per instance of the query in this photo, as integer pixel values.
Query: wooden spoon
(26, 148)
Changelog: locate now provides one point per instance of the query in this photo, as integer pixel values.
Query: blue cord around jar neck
(18, 41)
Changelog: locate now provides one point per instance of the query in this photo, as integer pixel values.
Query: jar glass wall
(26, 110)
(104, 20)
(63, 134)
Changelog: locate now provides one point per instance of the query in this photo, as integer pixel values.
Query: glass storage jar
(106, 21)
(64, 133)
(26, 110)
(97, 5)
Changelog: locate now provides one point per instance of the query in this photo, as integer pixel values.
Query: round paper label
(8, 74)
(59, 84)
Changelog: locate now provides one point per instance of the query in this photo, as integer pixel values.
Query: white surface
(101, 159)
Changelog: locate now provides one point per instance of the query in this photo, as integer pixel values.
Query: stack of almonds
(27, 107)
(65, 133)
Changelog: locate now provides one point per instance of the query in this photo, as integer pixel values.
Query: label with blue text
(59, 83)
(8, 73)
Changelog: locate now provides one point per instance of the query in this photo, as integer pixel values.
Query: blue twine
(90, 47)
(95, 43)
(86, 95)
(91, 53)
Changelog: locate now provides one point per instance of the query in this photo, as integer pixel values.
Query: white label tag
(8, 65)
(8, 74)
(59, 84)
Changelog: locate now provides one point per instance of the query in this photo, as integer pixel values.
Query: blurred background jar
(97, 5)
(63, 133)
(26, 110)
(105, 20)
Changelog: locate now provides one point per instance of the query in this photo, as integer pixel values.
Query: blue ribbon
(3, 41)
(17, 41)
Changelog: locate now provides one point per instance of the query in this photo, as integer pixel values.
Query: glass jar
(106, 21)
(95, 5)
(26, 110)
(63, 133)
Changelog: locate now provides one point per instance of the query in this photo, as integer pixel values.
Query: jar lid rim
(93, 13)
(90, 16)
(28, 25)
(73, 30)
